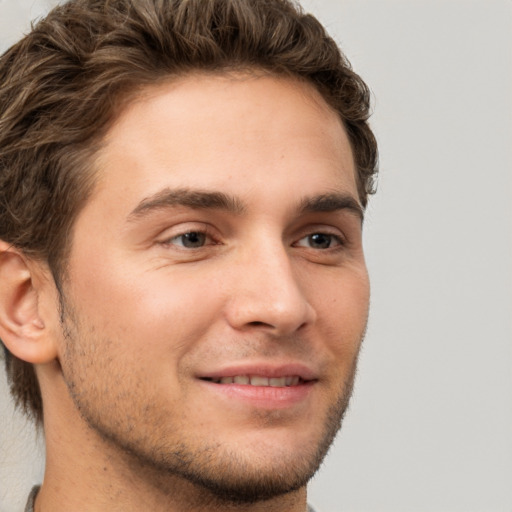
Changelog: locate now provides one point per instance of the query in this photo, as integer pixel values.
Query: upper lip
(262, 370)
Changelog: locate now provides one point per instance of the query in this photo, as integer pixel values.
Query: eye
(190, 240)
(319, 241)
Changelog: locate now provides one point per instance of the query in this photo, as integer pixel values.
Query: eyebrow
(331, 203)
(195, 199)
(214, 200)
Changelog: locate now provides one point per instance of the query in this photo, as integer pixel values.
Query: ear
(23, 329)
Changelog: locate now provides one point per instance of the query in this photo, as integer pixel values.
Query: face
(217, 293)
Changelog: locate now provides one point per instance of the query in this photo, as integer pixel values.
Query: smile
(258, 380)
(269, 387)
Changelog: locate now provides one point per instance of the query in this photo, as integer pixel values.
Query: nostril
(259, 324)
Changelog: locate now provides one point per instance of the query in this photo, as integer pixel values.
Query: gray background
(430, 425)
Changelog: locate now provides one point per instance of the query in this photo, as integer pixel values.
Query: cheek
(161, 310)
(343, 311)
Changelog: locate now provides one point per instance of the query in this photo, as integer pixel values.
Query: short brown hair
(63, 85)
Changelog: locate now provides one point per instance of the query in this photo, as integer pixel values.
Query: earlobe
(23, 329)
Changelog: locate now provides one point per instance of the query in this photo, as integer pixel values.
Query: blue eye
(190, 240)
(319, 241)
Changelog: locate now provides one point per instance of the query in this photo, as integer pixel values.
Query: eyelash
(206, 235)
(201, 231)
(332, 237)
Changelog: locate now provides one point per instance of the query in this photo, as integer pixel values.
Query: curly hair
(64, 84)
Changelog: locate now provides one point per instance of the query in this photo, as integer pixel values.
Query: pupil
(320, 240)
(194, 239)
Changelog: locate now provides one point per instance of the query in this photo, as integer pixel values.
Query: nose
(267, 294)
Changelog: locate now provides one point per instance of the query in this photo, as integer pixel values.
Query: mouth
(259, 380)
(264, 386)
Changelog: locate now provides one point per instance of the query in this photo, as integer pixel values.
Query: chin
(238, 478)
(259, 467)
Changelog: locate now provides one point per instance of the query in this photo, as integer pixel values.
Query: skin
(271, 278)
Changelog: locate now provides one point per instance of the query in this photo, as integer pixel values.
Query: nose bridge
(267, 292)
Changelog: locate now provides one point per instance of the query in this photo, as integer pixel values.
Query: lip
(261, 397)
(262, 370)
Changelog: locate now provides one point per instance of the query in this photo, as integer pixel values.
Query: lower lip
(266, 397)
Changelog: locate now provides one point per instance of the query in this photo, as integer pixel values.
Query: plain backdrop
(430, 424)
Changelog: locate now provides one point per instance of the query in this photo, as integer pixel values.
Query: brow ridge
(216, 200)
(195, 199)
(332, 202)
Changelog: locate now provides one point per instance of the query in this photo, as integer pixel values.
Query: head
(74, 87)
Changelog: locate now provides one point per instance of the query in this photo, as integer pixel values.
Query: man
(184, 292)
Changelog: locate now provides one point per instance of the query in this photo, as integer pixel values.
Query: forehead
(226, 131)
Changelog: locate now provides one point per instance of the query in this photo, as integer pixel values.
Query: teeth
(257, 380)
(278, 383)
